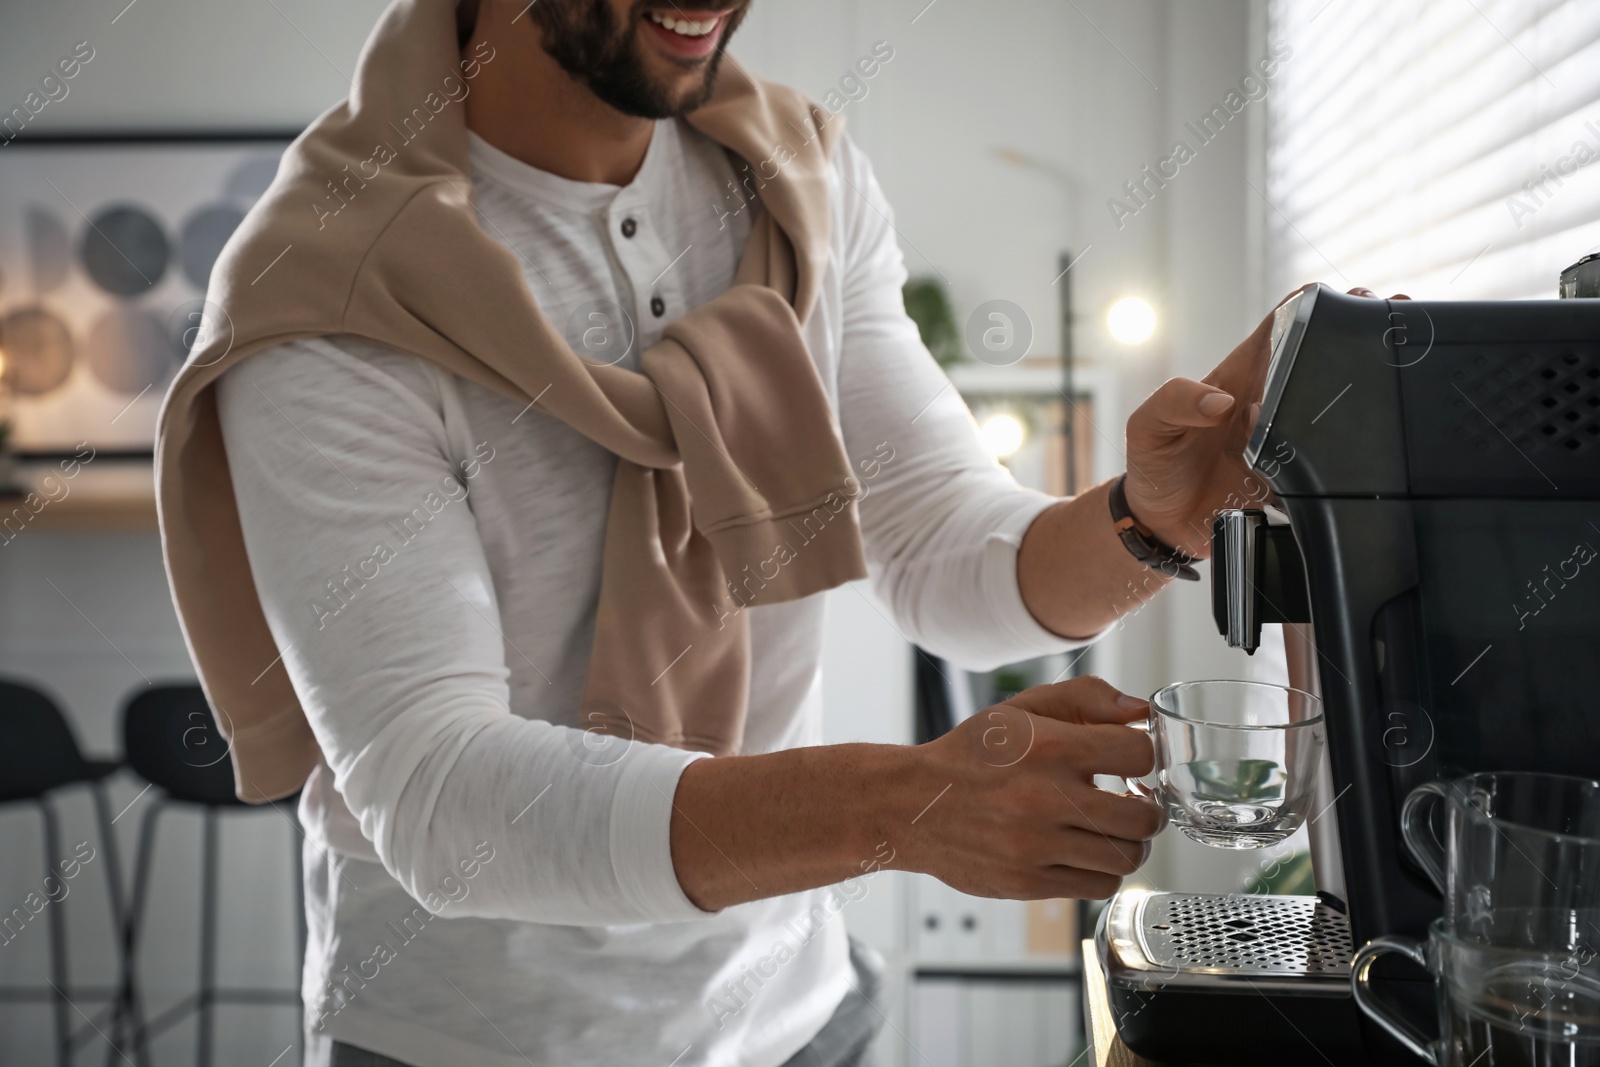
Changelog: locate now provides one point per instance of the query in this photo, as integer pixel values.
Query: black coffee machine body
(1439, 467)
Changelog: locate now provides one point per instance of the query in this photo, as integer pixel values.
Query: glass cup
(1497, 1006)
(1236, 762)
(1518, 861)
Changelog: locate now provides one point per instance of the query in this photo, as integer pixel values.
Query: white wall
(187, 64)
(1089, 92)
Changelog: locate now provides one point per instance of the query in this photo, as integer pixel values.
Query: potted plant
(929, 307)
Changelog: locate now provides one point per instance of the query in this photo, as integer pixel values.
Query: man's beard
(584, 38)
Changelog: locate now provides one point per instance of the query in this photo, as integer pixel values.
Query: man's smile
(686, 34)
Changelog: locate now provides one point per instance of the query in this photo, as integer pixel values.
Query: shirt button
(629, 227)
(658, 306)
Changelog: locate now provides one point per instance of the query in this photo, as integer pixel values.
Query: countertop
(1105, 1047)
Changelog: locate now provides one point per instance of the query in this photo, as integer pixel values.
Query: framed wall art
(106, 247)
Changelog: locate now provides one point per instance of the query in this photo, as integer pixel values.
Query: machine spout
(1257, 576)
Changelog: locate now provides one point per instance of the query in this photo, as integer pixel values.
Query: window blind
(1449, 149)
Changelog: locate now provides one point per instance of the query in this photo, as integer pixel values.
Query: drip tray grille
(1165, 935)
(1248, 933)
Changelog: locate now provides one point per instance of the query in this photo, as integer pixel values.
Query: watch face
(1288, 328)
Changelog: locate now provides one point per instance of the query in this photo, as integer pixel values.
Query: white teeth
(683, 27)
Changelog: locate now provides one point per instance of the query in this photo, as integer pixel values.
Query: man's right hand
(1004, 805)
(1022, 817)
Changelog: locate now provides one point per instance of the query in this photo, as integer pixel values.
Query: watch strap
(1144, 545)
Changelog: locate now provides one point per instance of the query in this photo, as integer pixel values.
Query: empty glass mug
(1518, 860)
(1497, 1006)
(1236, 762)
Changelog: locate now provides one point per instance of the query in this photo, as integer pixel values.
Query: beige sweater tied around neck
(724, 437)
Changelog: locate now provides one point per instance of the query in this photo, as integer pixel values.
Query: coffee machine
(1433, 554)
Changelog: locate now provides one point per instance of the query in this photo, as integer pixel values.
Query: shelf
(1031, 377)
(108, 494)
(1037, 376)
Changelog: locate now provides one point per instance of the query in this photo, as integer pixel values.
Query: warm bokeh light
(1131, 320)
(1002, 434)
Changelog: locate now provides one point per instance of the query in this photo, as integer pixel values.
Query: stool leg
(208, 937)
(58, 939)
(113, 866)
(130, 936)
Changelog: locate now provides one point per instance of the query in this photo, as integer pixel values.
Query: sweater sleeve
(359, 526)
(942, 520)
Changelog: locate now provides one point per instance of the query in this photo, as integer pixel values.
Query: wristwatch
(1144, 545)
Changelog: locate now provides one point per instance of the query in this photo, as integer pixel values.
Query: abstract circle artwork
(201, 240)
(125, 250)
(128, 351)
(38, 348)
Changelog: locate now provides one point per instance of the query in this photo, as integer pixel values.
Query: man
(445, 554)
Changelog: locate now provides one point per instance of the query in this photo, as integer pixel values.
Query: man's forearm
(1076, 577)
(750, 827)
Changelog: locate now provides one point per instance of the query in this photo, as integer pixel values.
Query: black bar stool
(39, 756)
(170, 739)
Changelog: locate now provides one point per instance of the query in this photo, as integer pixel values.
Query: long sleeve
(942, 520)
(359, 521)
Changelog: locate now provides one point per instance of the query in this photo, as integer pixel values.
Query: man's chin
(639, 73)
(681, 91)
(683, 83)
